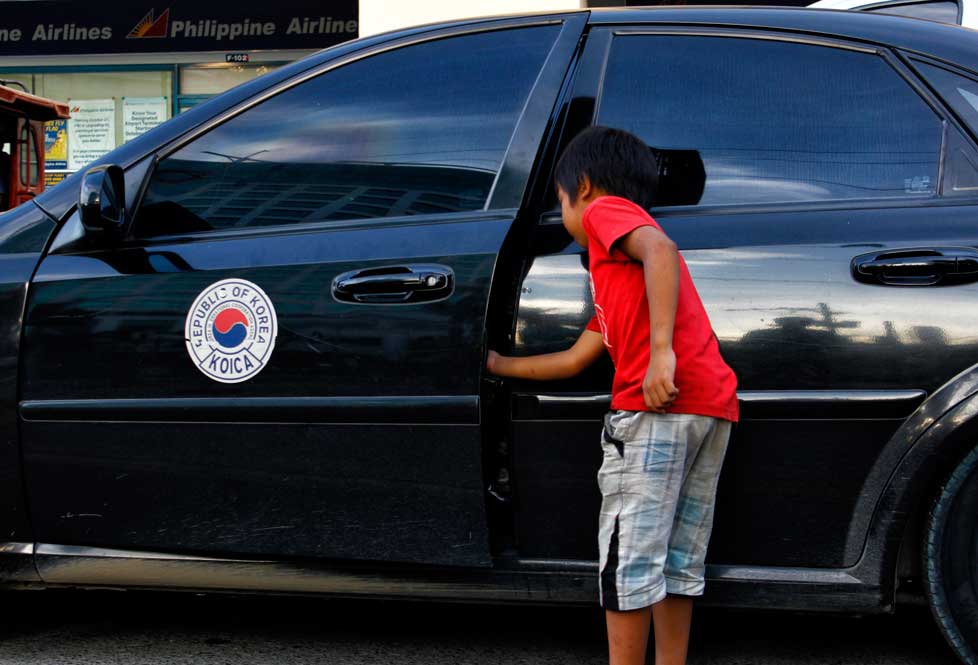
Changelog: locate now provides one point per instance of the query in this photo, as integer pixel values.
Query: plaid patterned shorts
(658, 485)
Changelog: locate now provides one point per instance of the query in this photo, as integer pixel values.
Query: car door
(283, 355)
(803, 181)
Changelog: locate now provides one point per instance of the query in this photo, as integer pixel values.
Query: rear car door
(283, 356)
(814, 205)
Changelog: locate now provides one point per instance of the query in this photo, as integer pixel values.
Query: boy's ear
(584, 187)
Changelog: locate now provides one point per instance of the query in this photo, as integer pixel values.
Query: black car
(251, 359)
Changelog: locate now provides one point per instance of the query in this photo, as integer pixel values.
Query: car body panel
(790, 319)
(24, 234)
(513, 581)
(91, 485)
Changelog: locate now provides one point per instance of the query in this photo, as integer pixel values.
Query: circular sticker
(231, 330)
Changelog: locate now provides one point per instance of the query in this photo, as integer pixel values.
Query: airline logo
(150, 26)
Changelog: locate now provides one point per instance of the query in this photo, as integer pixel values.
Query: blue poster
(56, 144)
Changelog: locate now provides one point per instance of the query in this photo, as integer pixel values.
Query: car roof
(951, 43)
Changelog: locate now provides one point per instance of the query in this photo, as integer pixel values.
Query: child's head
(601, 161)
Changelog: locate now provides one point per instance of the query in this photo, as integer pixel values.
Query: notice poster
(140, 114)
(56, 144)
(91, 131)
(52, 179)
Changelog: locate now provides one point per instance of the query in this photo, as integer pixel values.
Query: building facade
(129, 68)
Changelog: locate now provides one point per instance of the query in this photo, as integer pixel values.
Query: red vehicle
(22, 118)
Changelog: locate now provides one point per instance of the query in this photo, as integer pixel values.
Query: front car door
(814, 156)
(283, 356)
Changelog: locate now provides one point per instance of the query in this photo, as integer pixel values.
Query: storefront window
(107, 109)
(123, 91)
(213, 79)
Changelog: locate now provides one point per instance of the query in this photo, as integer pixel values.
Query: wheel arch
(903, 481)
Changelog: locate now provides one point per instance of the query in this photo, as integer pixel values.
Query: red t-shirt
(707, 386)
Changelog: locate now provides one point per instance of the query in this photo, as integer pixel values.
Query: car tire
(951, 559)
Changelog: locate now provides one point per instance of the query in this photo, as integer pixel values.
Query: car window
(945, 12)
(960, 167)
(772, 121)
(960, 93)
(416, 130)
(961, 161)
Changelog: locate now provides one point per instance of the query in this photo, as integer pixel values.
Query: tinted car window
(420, 129)
(961, 162)
(960, 167)
(960, 93)
(774, 121)
(945, 12)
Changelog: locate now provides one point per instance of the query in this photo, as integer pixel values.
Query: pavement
(105, 627)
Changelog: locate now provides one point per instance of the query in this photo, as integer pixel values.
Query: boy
(673, 398)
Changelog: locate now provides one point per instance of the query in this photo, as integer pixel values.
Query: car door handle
(403, 284)
(917, 266)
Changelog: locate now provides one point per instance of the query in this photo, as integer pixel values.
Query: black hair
(613, 160)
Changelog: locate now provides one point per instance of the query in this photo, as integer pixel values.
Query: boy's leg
(685, 562)
(628, 636)
(640, 480)
(628, 632)
(672, 617)
(693, 520)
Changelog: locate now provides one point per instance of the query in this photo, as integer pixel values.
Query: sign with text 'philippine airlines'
(71, 27)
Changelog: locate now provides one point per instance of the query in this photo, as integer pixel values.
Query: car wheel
(951, 559)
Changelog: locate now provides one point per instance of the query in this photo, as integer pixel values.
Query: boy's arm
(549, 366)
(660, 260)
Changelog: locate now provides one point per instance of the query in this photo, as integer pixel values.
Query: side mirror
(102, 204)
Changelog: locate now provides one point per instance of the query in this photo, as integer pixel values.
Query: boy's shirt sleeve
(593, 324)
(608, 220)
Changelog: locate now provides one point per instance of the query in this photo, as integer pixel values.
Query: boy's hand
(658, 387)
(491, 361)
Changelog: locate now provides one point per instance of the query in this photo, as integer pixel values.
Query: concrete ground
(134, 628)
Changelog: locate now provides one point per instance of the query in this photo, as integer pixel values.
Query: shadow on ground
(130, 627)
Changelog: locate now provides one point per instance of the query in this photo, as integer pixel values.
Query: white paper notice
(91, 131)
(140, 114)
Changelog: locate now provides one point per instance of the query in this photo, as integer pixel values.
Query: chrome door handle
(412, 283)
(917, 266)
